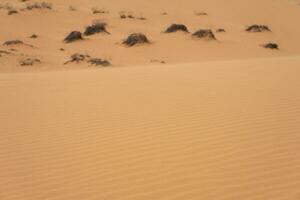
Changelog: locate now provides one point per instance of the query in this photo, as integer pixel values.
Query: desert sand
(216, 120)
(52, 26)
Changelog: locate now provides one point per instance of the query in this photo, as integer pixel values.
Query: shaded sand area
(216, 130)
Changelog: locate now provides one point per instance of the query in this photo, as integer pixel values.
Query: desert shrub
(204, 33)
(271, 46)
(176, 27)
(258, 28)
(12, 42)
(73, 36)
(136, 38)
(96, 28)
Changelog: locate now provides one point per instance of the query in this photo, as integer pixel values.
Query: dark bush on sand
(96, 28)
(42, 5)
(258, 28)
(79, 58)
(204, 33)
(73, 36)
(33, 36)
(220, 30)
(271, 46)
(99, 11)
(176, 27)
(136, 38)
(200, 13)
(12, 42)
(29, 61)
(99, 62)
(12, 12)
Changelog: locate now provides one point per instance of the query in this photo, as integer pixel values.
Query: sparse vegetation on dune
(73, 36)
(21, 8)
(204, 34)
(99, 62)
(99, 27)
(29, 61)
(136, 38)
(39, 5)
(33, 36)
(13, 42)
(201, 13)
(12, 12)
(158, 61)
(99, 11)
(128, 15)
(77, 58)
(220, 30)
(176, 27)
(149, 100)
(271, 46)
(80, 58)
(258, 28)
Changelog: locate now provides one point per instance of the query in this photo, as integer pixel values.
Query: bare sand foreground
(220, 120)
(221, 130)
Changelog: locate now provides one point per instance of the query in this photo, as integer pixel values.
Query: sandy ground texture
(178, 118)
(220, 130)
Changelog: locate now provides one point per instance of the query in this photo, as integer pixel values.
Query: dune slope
(216, 130)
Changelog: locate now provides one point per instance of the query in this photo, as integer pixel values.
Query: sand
(220, 120)
(220, 130)
(52, 26)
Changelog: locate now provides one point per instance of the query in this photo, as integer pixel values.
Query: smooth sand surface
(216, 130)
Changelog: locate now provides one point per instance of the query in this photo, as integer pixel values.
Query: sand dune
(178, 117)
(215, 130)
(52, 26)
